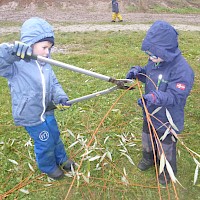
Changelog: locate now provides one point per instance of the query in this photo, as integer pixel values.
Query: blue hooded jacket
(176, 76)
(33, 85)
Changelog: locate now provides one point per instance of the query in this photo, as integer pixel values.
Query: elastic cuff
(154, 97)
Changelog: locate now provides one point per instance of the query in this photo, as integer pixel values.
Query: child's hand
(63, 105)
(133, 73)
(149, 99)
(22, 50)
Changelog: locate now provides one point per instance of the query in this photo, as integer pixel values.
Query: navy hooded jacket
(115, 7)
(33, 85)
(176, 76)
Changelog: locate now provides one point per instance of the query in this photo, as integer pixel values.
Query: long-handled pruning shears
(120, 83)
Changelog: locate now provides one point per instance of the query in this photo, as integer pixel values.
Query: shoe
(162, 180)
(120, 20)
(67, 166)
(113, 21)
(57, 174)
(146, 161)
(145, 164)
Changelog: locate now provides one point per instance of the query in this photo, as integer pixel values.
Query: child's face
(156, 60)
(153, 58)
(42, 48)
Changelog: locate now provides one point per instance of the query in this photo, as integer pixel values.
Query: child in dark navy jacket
(115, 11)
(34, 86)
(168, 81)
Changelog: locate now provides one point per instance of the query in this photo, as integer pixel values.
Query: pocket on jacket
(163, 86)
(21, 106)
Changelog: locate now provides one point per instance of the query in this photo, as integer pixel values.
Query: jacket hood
(162, 40)
(35, 29)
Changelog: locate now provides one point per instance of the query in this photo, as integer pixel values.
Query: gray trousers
(168, 145)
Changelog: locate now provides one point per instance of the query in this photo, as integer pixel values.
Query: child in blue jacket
(168, 81)
(33, 86)
(115, 11)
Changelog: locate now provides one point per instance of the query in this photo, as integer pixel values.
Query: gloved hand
(149, 99)
(22, 50)
(63, 104)
(132, 74)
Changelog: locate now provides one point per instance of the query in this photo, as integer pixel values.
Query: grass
(170, 6)
(111, 54)
(181, 10)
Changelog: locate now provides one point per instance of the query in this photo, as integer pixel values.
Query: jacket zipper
(43, 91)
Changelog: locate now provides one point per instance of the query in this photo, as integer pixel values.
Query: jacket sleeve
(7, 60)
(178, 89)
(58, 92)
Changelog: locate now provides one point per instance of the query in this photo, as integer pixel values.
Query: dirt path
(105, 27)
(82, 21)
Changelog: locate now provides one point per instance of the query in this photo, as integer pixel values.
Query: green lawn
(111, 54)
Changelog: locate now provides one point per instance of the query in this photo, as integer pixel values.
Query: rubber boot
(170, 153)
(67, 166)
(164, 180)
(57, 174)
(147, 161)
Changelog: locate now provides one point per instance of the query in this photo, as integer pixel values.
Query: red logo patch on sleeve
(180, 86)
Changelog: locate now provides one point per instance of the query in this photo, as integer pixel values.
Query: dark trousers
(168, 145)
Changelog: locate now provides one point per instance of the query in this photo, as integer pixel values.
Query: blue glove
(149, 99)
(133, 73)
(22, 50)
